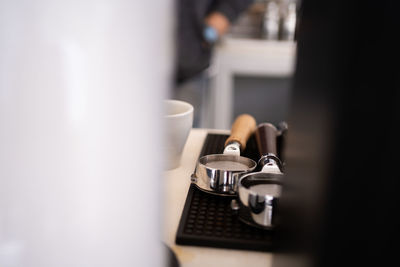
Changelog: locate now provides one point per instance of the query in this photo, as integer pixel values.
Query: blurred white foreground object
(81, 87)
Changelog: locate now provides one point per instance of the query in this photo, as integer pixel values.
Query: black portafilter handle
(283, 128)
(266, 137)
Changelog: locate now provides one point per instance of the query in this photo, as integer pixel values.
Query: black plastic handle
(283, 128)
(266, 136)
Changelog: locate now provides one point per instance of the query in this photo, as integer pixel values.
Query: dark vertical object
(340, 205)
(266, 135)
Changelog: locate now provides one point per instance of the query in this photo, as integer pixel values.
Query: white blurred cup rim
(187, 108)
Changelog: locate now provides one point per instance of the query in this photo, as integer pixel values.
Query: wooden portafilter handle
(242, 128)
(266, 137)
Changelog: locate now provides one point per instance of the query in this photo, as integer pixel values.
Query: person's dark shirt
(192, 52)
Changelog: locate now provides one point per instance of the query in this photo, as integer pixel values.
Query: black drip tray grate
(208, 220)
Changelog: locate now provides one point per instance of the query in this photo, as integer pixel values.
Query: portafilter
(259, 192)
(219, 173)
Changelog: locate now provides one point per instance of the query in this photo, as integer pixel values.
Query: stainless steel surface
(260, 193)
(232, 149)
(289, 22)
(271, 21)
(267, 19)
(270, 164)
(219, 173)
(234, 205)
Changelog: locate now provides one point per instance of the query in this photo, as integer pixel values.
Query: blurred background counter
(252, 66)
(251, 76)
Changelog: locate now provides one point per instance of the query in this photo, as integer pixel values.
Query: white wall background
(80, 89)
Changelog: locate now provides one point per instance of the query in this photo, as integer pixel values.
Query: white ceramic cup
(178, 120)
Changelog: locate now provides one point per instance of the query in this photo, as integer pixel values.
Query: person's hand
(219, 22)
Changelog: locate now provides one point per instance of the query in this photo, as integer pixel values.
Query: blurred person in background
(200, 24)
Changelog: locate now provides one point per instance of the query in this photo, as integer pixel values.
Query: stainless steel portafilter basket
(259, 197)
(219, 173)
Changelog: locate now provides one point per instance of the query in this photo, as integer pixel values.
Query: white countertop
(176, 185)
